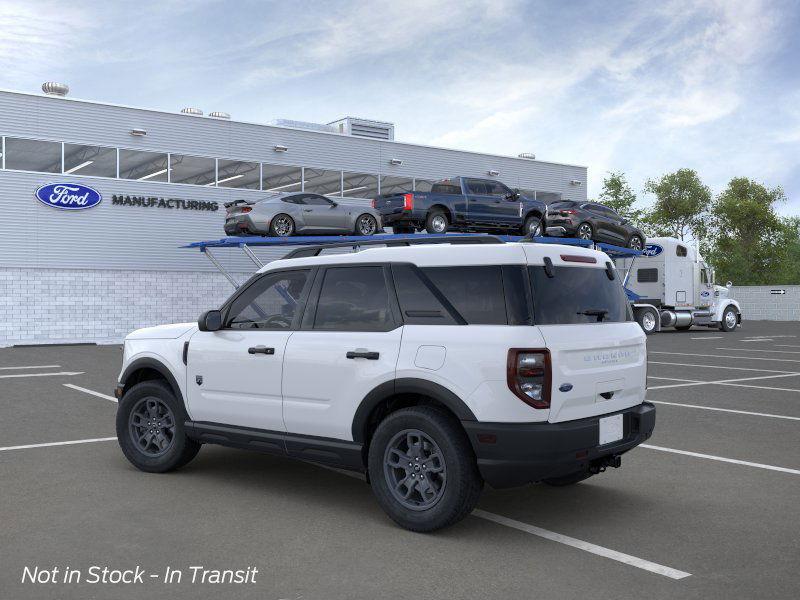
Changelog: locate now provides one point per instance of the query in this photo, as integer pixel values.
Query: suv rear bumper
(529, 452)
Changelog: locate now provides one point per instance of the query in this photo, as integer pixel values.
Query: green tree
(681, 205)
(750, 243)
(617, 194)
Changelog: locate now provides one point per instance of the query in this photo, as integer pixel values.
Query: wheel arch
(443, 207)
(401, 393)
(146, 369)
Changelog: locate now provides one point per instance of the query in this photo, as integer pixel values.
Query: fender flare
(729, 303)
(147, 362)
(408, 385)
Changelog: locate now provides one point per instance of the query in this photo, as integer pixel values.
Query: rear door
(348, 344)
(234, 374)
(597, 351)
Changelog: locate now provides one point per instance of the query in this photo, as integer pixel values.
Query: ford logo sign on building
(68, 196)
(652, 250)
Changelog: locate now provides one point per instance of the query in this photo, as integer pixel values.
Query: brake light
(374, 202)
(529, 376)
(568, 212)
(246, 209)
(578, 258)
(408, 201)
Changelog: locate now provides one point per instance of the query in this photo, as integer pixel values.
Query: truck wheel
(436, 222)
(422, 469)
(635, 243)
(570, 479)
(150, 428)
(281, 226)
(532, 227)
(729, 320)
(647, 320)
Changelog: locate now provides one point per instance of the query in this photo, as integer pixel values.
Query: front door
(234, 374)
(480, 204)
(348, 345)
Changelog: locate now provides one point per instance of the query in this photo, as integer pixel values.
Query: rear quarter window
(577, 295)
(475, 292)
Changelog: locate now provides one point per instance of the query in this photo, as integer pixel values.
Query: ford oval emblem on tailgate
(68, 196)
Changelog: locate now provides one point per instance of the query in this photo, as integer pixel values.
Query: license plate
(610, 429)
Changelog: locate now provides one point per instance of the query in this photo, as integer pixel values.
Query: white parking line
(728, 410)
(15, 375)
(31, 367)
(722, 459)
(656, 362)
(48, 444)
(557, 537)
(725, 356)
(735, 382)
(758, 340)
(581, 545)
(758, 350)
(708, 337)
(92, 392)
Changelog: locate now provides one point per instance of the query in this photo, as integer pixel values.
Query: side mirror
(211, 320)
(729, 285)
(334, 204)
(511, 196)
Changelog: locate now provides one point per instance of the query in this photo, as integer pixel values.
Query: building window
(359, 185)
(96, 161)
(396, 185)
(321, 181)
(144, 166)
(423, 185)
(280, 178)
(33, 155)
(237, 174)
(194, 170)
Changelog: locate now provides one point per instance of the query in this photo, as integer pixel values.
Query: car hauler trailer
(670, 285)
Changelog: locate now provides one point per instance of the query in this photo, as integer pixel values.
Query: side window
(315, 200)
(445, 187)
(475, 292)
(495, 188)
(271, 302)
(476, 186)
(354, 299)
(294, 199)
(418, 303)
(681, 250)
(704, 276)
(647, 275)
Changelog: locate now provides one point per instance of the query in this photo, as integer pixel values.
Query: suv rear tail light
(374, 202)
(529, 376)
(246, 209)
(566, 213)
(408, 201)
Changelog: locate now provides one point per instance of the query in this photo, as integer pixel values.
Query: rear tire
(636, 243)
(585, 231)
(570, 479)
(281, 226)
(729, 320)
(413, 442)
(150, 428)
(366, 225)
(437, 222)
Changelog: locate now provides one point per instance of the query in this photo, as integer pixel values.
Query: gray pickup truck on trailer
(463, 204)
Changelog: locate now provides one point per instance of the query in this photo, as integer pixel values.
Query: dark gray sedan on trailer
(286, 214)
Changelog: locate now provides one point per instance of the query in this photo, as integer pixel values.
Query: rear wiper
(600, 313)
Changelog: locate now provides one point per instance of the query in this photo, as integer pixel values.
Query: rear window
(446, 186)
(577, 295)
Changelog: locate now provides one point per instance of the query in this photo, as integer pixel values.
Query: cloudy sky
(641, 87)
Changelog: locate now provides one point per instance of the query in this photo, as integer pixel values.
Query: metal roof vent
(51, 88)
(219, 115)
(527, 155)
(192, 111)
(377, 130)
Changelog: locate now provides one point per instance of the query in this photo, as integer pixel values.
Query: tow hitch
(601, 464)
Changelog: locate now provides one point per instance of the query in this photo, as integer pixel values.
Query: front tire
(647, 320)
(150, 428)
(533, 227)
(410, 445)
(281, 226)
(729, 320)
(366, 224)
(437, 222)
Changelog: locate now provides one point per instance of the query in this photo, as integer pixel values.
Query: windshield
(577, 295)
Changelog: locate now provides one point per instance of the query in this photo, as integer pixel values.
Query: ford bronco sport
(431, 369)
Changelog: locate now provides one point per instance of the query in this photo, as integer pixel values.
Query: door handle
(363, 354)
(308, 210)
(260, 350)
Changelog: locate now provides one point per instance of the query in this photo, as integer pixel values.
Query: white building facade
(94, 274)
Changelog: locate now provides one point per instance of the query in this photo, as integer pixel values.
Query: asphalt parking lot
(708, 509)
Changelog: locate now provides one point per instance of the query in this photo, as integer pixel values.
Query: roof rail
(394, 241)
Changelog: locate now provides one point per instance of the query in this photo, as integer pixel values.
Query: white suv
(432, 369)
